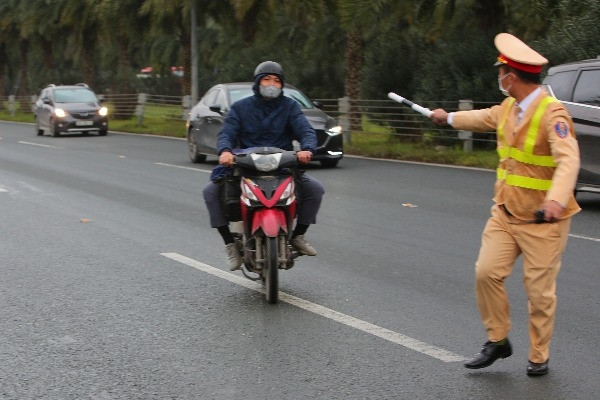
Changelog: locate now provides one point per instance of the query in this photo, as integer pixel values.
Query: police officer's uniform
(539, 160)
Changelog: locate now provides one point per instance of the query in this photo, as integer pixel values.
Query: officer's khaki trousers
(504, 239)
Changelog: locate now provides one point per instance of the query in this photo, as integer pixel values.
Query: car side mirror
(216, 108)
(318, 104)
(46, 100)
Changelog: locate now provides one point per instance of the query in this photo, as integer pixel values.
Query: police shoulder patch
(561, 129)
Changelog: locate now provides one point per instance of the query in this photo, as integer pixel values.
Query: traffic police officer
(536, 176)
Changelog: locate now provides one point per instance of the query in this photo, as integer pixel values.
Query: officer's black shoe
(537, 369)
(490, 352)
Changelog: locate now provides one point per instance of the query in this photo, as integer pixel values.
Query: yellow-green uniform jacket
(539, 158)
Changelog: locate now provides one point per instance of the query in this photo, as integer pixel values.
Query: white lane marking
(2, 190)
(40, 145)
(394, 337)
(584, 237)
(30, 187)
(179, 166)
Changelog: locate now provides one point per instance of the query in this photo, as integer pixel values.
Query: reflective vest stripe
(543, 161)
(526, 155)
(534, 126)
(523, 181)
(503, 152)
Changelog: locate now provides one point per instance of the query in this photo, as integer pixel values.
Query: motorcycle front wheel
(271, 269)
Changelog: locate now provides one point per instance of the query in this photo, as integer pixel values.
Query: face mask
(504, 91)
(269, 92)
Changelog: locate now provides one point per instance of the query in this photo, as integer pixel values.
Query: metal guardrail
(381, 116)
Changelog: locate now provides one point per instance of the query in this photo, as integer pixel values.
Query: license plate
(84, 123)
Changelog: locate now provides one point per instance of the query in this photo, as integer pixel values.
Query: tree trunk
(354, 64)
(88, 51)
(126, 108)
(23, 92)
(3, 72)
(185, 40)
(250, 24)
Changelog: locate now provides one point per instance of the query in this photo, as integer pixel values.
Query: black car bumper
(329, 147)
(71, 124)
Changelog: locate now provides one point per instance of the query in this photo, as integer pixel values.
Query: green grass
(158, 120)
(375, 141)
(378, 141)
(150, 125)
(384, 145)
(5, 115)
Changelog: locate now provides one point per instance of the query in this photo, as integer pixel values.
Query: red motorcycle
(266, 203)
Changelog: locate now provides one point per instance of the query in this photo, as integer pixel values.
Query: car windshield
(239, 93)
(74, 96)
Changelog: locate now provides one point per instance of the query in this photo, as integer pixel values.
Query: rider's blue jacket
(256, 122)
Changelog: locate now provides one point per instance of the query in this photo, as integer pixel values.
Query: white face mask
(503, 90)
(269, 92)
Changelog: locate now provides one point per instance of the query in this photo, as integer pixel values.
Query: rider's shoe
(234, 256)
(299, 243)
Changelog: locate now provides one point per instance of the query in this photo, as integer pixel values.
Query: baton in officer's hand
(421, 110)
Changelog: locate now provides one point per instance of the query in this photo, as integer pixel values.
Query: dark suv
(69, 108)
(577, 86)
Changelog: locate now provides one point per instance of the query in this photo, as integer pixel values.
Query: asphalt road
(113, 285)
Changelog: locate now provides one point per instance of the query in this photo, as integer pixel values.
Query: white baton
(421, 110)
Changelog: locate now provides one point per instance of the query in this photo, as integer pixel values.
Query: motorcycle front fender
(270, 220)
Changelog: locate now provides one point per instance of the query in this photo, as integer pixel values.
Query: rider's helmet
(268, 68)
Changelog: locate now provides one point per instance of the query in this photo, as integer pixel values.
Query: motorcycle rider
(268, 118)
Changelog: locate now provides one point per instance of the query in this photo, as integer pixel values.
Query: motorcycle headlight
(103, 111)
(288, 193)
(247, 191)
(266, 162)
(60, 113)
(289, 190)
(334, 131)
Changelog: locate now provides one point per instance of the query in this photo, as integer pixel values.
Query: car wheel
(193, 150)
(102, 132)
(329, 163)
(54, 129)
(38, 131)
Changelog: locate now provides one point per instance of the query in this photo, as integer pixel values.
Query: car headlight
(333, 131)
(103, 111)
(60, 113)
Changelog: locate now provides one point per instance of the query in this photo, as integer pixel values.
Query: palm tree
(121, 25)
(172, 18)
(7, 31)
(360, 20)
(79, 20)
(41, 24)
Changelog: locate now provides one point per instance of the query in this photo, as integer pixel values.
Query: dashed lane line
(386, 334)
(182, 167)
(584, 237)
(39, 145)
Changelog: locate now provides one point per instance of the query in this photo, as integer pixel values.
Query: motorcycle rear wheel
(271, 269)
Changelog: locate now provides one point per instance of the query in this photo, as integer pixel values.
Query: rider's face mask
(270, 87)
(502, 89)
(269, 92)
